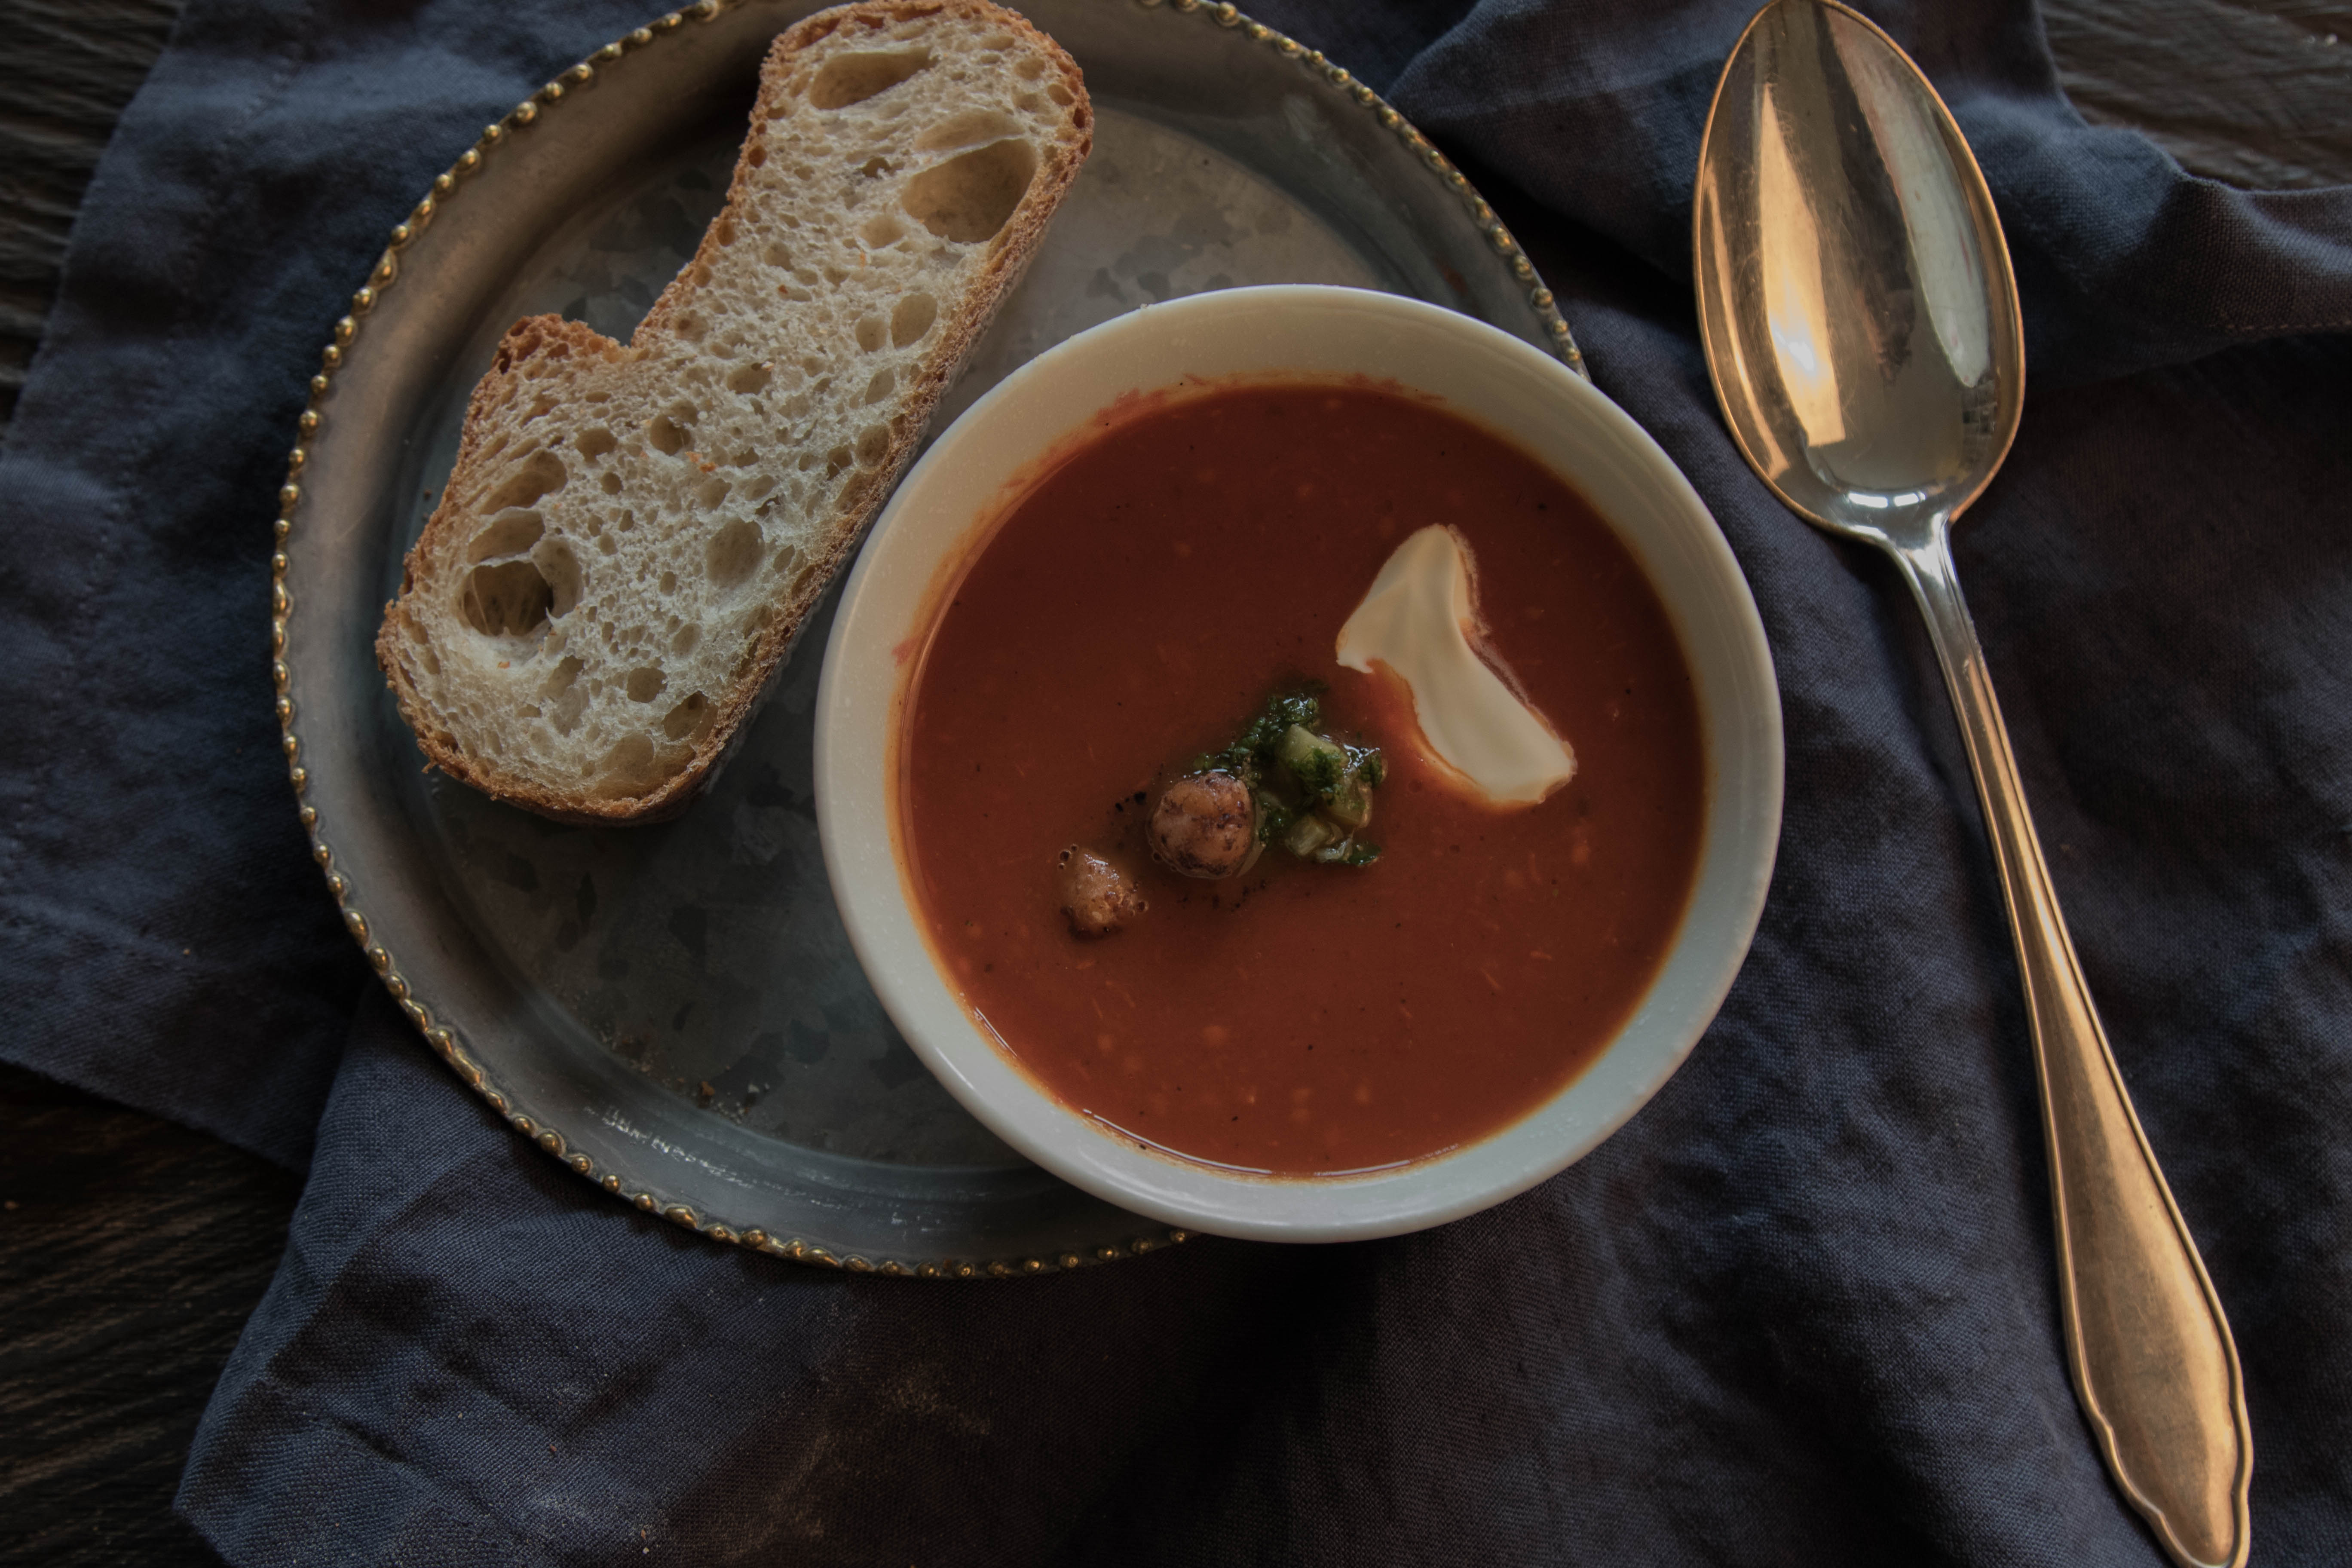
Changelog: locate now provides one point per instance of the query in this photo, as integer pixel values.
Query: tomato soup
(1137, 604)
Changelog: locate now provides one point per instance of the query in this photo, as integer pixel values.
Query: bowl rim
(994, 453)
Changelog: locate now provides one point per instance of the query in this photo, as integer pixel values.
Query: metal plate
(674, 1011)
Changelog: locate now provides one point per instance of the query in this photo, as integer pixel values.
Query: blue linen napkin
(1800, 1309)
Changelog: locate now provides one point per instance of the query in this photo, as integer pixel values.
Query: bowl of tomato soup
(1299, 762)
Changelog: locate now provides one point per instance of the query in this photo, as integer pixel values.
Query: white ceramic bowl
(1512, 388)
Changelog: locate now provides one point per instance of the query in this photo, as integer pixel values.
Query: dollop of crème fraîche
(1420, 618)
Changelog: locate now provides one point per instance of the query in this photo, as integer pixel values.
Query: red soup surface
(1134, 610)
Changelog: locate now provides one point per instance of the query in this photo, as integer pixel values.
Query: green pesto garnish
(1316, 766)
(1312, 793)
(1273, 818)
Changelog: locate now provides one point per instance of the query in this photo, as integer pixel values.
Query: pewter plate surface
(678, 1004)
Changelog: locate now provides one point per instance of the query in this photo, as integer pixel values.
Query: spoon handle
(2145, 1338)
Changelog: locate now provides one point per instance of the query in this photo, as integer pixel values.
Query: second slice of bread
(632, 536)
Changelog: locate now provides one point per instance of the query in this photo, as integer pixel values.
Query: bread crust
(538, 340)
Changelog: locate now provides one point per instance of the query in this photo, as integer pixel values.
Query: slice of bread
(633, 536)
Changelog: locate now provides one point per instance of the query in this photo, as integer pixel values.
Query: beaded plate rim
(386, 273)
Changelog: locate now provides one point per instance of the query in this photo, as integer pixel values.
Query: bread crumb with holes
(633, 534)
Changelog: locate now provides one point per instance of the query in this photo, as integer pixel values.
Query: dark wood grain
(2257, 93)
(69, 69)
(131, 1250)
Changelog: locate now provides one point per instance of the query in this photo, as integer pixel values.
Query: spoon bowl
(1854, 291)
(1861, 324)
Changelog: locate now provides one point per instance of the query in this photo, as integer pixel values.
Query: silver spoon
(1862, 328)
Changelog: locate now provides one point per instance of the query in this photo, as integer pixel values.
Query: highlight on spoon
(1854, 290)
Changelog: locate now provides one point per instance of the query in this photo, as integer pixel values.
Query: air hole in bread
(510, 532)
(568, 709)
(748, 379)
(561, 679)
(646, 683)
(879, 387)
(691, 328)
(594, 442)
(968, 198)
(872, 442)
(664, 433)
(835, 461)
(776, 256)
(561, 569)
(509, 599)
(563, 575)
(969, 128)
(912, 318)
(882, 230)
(689, 638)
(852, 79)
(1030, 68)
(712, 491)
(628, 768)
(540, 474)
(758, 485)
(667, 582)
(873, 331)
(686, 718)
(733, 554)
(1058, 94)
(611, 482)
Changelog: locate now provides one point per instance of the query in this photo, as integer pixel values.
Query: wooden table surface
(131, 1250)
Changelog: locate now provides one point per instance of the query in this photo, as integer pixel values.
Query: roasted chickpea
(1097, 898)
(1205, 825)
